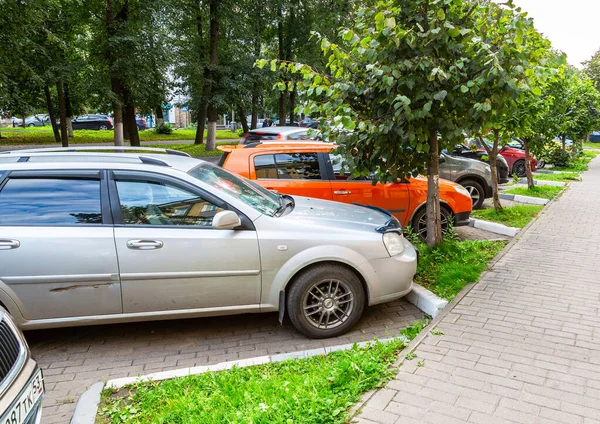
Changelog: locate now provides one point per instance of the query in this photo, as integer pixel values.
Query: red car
(515, 158)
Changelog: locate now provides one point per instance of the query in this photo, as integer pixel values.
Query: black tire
(31, 125)
(309, 312)
(419, 221)
(477, 192)
(102, 127)
(541, 164)
(519, 168)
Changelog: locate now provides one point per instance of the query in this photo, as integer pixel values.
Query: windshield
(242, 189)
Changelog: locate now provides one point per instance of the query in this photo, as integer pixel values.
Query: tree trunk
(69, 111)
(292, 106)
(51, 114)
(126, 136)
(494, 166)
(282, 94)
(129, 122)
(23, 122)
(530, 184)
(434, 222)
(211, 136)
(201, 121)
(159, 117)
(62, 110)
(254, 119)
(564, 142)
(240, 112)
(115, 83)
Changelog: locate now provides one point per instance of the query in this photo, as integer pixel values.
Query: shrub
(240, 132)
(164, 129)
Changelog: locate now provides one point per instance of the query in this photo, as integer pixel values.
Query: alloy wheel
(475, 194)
(328, 304)
(422, 224)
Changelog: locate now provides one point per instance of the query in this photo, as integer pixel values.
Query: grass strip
(448, 268)
(544, 192)
(514, 216)
(563, 176)
(44, 135)
(319, 389)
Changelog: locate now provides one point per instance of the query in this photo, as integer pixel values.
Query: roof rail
(124, 149)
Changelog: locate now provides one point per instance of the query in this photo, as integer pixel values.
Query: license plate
(19, 411)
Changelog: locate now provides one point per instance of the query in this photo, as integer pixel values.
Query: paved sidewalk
(523, 346)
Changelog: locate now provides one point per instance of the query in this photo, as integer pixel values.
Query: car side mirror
(226, 220)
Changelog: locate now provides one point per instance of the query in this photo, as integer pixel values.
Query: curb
(493, 227)
(86, 409)
(524, 199)
(426, 300)
(87, 405)
(544, 182)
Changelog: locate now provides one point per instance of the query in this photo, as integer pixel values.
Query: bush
(164, 129)
(240, 132)
(561, 159)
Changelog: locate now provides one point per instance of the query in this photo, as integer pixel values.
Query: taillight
(279, 137)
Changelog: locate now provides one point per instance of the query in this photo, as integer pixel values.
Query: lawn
(563, 176)
(545, 192)
(514, 216)
(580, 163)
(191, 149)
(591, 145)
(320, 389)
(43, 135)
(445, 270)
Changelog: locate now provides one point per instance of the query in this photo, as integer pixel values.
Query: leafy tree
(592, 69)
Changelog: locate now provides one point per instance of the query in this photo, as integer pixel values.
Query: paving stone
(523, 346)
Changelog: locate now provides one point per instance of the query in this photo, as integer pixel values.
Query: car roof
(276, 146)
(99, 156)
(277, 130)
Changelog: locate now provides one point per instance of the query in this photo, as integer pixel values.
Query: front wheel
(541, 164)
(325, 301)
(102, 127)
(476, 191)
(31, 125)
(419, 222)
(519, 168)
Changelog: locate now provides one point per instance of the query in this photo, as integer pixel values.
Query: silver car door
(170, 257)
(57, 253)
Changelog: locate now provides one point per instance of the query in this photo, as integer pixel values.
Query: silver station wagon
(102, 237)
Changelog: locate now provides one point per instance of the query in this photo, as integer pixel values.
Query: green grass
(446, 269)
(591, 145)
(563, 176)
(191, 149)
(514, 216)
(319, 389)
(43, 135)
(580, 163)
(545, 192)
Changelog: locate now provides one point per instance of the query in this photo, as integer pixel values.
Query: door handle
(144, 244)
(342, 192)
(9, 244)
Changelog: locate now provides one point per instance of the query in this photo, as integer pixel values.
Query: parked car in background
(461, 150)
(38, 120)
(311, 169)
(595, 137)
(179, 237)
(92, 122)
(472, 174)
(142, 124)
(276, 134)
(21, 381)
(515, 158)
(308, 123)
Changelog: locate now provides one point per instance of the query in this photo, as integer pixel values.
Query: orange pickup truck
(310, 169)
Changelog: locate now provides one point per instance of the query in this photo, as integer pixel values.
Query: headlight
(393, 243)
(462, 190)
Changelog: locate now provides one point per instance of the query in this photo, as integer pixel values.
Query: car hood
(335, 215)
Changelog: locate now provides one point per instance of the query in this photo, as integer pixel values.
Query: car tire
(419, 221)
(541, 164)
(325, 301)
(476, 191)
(30, 125)
(519, 168)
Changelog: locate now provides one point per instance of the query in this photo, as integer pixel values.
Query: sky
(573, 26)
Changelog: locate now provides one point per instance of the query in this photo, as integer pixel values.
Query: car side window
(265, 167)
(151, 203)
(298, 166)
(50, 201)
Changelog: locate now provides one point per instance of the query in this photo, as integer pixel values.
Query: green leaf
(427, 106)
(441, 14)
(464, 89)
(390, 23)
(273, 65)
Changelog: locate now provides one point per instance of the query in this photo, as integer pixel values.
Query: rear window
(223, 159)
(288, 166)
(259, 136)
